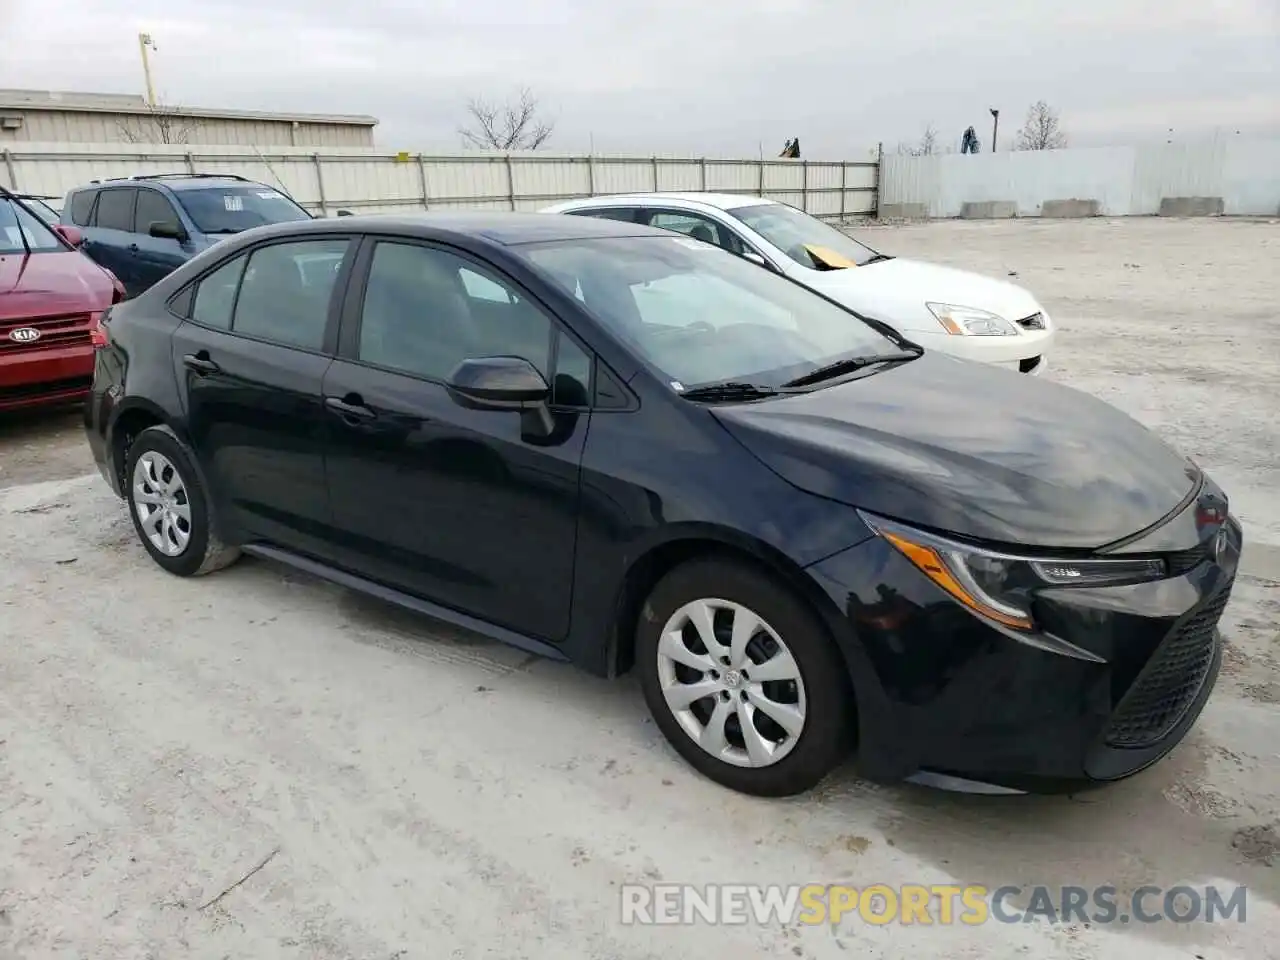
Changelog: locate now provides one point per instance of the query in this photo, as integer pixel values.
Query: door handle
(351, 409)
(200, 363)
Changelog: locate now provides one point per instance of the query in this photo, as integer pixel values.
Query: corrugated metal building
(53, 117)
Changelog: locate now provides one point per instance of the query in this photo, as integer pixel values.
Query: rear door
(156, 256)
(109, 238)
(250, 360)
(459, 506)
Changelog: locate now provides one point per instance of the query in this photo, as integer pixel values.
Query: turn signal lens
(98, 332)
(952, 578)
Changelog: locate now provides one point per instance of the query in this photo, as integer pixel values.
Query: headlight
(1000, 586)
(971, 322)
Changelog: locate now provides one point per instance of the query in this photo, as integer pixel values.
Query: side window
(690, 224)
(216, 295)
(284, 296)
(152, 208)
(625, 214)
(82, 206)
(115, 209)
(571, 386)
(426, 310)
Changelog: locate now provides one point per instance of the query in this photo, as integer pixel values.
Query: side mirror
(345, 213)
(498, 383)
(72, 235)
(755, 258)
(168, 230)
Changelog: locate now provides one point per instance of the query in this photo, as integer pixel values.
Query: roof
(724, 201)
(178, 181)
(76, 102)
(507, 229)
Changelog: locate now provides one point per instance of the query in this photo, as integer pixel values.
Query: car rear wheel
(742, 679)
(169, 507)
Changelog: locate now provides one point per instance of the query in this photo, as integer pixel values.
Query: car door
(250, 361)
(459, 506)
(109, 238)
(156, 257)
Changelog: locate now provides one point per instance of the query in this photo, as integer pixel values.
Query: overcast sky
(696, 76)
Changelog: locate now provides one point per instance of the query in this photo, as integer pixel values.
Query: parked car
(141, 228)
(957, 312)
(51, 302)
(771, 506)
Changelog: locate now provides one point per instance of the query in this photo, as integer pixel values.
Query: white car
(941, 308)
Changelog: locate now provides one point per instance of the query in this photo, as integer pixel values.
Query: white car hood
(896, 290)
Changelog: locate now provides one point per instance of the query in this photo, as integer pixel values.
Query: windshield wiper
(730, 390)
(849, 365)
(878, 258)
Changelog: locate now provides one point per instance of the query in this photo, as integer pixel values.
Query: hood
(896, 290)
(51, 284)
(973, 450)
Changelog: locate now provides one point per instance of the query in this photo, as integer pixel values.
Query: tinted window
(82, 206)
(216, 295)
(152, 208)
(756, 326)
(571, 386)
(284, 296)
(237, 207)
(625, 214)
(115, 210)
(425, 311)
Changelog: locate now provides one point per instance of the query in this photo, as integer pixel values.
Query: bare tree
(160, 124)
(513, 125)
(1042, 129)
(926, 146)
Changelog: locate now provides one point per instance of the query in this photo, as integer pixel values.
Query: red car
(52, 299)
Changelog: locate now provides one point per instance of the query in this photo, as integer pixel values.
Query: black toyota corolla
(618, 447)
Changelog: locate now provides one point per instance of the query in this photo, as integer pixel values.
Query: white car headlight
(971, 322)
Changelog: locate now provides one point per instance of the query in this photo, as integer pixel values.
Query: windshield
(232, 209)
(41, 210)
(16, 223)
(700, 315)
(794, 232)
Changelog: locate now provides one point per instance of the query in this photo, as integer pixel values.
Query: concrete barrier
(1069, 209)
(989, 210)
(903, 211)
(1191, 206)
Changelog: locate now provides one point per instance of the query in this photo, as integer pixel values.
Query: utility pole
(995, 127)
(144, 41)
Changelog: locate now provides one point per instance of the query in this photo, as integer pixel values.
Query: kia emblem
(24, 335)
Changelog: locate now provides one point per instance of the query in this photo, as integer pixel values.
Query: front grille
(65, 331)
(1184, 561)
(50, 388)
(1033, 322)
(1165, 688)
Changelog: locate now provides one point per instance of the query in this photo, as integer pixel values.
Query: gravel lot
(419, 793)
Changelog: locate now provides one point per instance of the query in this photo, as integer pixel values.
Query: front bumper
(942, 692)
(44, 377)
(1013, 353)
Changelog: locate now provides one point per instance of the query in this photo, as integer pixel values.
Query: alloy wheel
(731, 682)
(160, 499)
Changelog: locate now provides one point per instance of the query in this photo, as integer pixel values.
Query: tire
(189, 545)
(783, 764)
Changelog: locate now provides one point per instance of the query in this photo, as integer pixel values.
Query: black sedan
(615, 446)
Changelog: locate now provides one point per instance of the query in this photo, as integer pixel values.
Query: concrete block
(903, 211)
(989, 210)
(1191, 207)
(1070, 209)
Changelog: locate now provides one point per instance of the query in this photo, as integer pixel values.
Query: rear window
(233, 208)
(81, 206)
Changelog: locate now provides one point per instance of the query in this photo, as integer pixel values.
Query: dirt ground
(260, 765)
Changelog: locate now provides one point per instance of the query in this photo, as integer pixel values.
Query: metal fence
(325, 181)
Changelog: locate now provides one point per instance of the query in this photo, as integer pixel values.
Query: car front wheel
(170, 508)
(743, 679)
